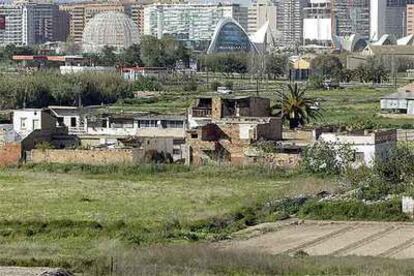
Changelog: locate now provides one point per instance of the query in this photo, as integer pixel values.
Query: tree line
(374, 70)
(44, 88)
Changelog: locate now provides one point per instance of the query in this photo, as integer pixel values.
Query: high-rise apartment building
(51, 24)
(387, 17)
(137, 15)
(291, 21)
(351, 17)
(81, 13)
(317, 22)
(193, 23)
(258, 14)
(25, 23)
(410, 19)
(17, 25)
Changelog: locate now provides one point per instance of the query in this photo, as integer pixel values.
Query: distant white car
(224, 90)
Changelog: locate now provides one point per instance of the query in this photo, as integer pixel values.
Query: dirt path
(382, 239)
(22, 271)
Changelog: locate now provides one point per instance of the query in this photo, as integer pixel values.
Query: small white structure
(366, 146)
(400, 102)
(67, 69)
(25, 121)
(408, 205)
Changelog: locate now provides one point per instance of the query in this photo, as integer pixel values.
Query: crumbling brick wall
(10, 154)
(216, 111)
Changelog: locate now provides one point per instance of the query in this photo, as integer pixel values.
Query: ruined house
(224, 128)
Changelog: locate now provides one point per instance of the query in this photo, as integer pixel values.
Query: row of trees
(270, 65)
(151, 51)
(330, 67)
(41, 89)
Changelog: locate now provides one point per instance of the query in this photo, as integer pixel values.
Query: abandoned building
(366, 145)
(223, 128)
(400, 102)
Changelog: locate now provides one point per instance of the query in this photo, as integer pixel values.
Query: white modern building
(260, 13)
(317, 22)
(189, 22)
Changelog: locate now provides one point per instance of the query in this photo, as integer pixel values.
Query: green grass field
(57, 215)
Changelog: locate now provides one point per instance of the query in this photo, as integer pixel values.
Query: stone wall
(93, 157)
(10, 154)
(280, 160)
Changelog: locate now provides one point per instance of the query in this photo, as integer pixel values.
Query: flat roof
(400, 96)
(48, 58)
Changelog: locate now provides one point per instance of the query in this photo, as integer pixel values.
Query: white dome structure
(113, 29)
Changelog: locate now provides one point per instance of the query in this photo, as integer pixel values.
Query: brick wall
(10, 154)
(93, 157)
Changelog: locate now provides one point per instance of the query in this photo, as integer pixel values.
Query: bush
(397, 166)
(228, 84)
(147, 84)
(214, 85)
(190, 86)
(315, 82)
(353, 210)
(327, 158)
(44, 146)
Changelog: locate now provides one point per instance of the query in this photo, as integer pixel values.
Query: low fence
(92, 157)
(405, 135)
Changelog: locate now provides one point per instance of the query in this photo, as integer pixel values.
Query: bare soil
(381, 239)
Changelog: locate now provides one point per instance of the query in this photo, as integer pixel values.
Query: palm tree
(296, 107)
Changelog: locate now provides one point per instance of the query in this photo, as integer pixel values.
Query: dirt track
(394, 240)
(21, 271)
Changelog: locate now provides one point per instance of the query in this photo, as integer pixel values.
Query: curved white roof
(346, 43)
(113, 29)
(385, 40)
(220, 25)
(407, 40)
(260, 36)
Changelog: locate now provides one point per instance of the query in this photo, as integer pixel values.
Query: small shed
(399, 102)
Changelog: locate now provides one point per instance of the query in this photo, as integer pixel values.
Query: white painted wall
(25, 121)
(317, 29)
(79, 69)
(360, 144)
(377, 18)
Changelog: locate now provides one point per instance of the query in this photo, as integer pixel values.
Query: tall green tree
(131, 56)
(276, 65)
(328, 66)
(296, 107)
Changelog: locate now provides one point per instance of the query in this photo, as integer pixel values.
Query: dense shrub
(147, 84)
(327, 158)
(214, 85)
(228, 84)
(315, 82)
(397, 165)
(353, 210)
(190, 86)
